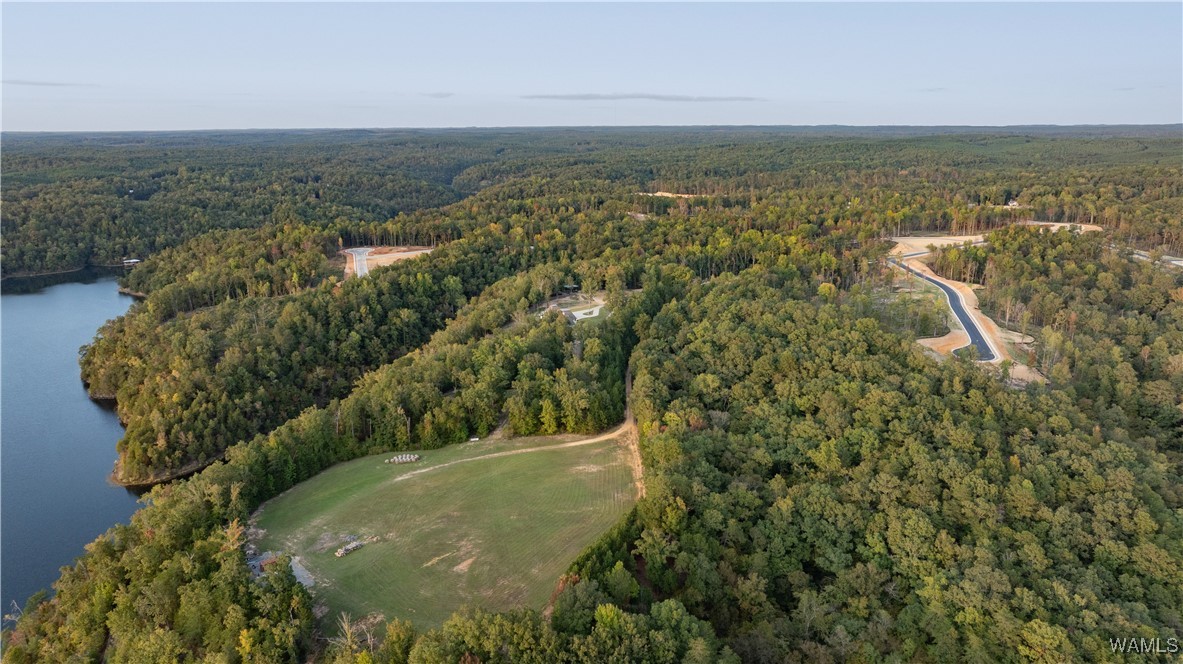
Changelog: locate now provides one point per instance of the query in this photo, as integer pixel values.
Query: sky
(157, 66)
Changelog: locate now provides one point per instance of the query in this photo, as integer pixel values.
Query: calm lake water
(56, 445)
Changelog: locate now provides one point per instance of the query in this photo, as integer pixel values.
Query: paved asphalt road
(359, 260)
(976, 337)
(1169, 260)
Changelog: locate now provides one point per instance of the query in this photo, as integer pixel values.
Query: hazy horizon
(223, 67)
(814, 127)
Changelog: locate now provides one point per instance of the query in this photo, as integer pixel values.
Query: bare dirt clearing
(1055, 226)
(906, 245)
(578, 306)
(666, 194)
(945, 345)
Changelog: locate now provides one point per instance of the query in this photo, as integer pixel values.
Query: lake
(56, 445)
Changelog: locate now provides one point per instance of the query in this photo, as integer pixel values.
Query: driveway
(359, 260)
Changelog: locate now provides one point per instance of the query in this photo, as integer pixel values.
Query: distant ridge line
(161, 139)
(1075, 130)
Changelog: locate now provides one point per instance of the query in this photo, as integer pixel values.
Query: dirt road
(595, 439)
(627, 430)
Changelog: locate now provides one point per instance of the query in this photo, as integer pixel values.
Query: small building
(260, 562)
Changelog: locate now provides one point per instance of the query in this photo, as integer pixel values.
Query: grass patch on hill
(493, 532)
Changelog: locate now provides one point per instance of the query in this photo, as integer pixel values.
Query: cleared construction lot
(360, 260)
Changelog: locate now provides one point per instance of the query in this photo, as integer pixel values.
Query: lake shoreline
(52, 424)
(54, 273)
(136, 294)
(116, 476)
(33, 283)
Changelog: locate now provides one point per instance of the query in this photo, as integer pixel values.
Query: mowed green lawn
(490, 532)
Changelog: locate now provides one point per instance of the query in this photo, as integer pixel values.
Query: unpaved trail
(1057, 225)
(632, 445)
(632, 437)
(595, 439)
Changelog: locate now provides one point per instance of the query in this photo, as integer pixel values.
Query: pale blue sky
(222, 66)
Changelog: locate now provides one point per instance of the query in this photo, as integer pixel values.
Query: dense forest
(817, 488)
(190, 386)
(1107, 325)
(77, 200)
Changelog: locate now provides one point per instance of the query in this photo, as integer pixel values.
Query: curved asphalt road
(985, 351)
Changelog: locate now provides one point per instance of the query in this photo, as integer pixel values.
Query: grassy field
(492, 532)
